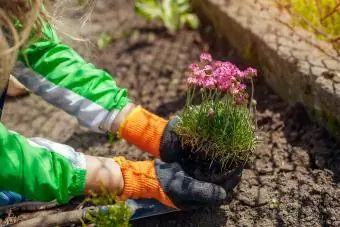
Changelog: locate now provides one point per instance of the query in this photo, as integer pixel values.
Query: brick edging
(297, 70)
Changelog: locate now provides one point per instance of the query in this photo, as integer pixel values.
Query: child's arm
(61, 77)
(65, 80)
(43, 170)
(36, 169)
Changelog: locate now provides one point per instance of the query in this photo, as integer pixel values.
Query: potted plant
(218, 133)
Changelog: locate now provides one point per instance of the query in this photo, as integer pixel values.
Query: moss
(113, 213)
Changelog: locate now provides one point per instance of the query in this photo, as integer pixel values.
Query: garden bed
(292, 180)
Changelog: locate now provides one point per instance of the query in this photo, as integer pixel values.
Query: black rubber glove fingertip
(170, 145)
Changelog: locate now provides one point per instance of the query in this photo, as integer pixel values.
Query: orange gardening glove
(152, 134)
(167, 183)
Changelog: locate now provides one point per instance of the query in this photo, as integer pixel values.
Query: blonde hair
(31, 14)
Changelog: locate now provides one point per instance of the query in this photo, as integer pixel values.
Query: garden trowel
(147, 208)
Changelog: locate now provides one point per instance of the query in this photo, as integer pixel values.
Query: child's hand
(152, 134)
(168, 183)
(170, 146)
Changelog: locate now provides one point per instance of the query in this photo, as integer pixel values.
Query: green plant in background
(319, 16)
(175, 14)
(116, 213)
(104, 40)
(220, 128)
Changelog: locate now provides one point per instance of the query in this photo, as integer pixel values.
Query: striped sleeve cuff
(88, 113)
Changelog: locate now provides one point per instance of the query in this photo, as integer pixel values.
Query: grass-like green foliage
(222, 130)
(319, 16)
(175, 14)
(117, 213)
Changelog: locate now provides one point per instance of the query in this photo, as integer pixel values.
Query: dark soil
(202, 167)
(293, 179)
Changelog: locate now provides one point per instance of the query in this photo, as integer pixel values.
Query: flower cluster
(220, 75)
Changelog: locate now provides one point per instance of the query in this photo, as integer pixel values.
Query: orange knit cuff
(144, 130)
(140, 181)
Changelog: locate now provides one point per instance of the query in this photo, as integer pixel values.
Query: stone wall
(297, 65)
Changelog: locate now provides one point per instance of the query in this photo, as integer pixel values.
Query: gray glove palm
(183, 190)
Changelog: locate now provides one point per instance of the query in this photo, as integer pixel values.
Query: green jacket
(41, 169)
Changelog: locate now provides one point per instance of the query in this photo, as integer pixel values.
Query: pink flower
(208, 69)
(237, 88)
(248, 73)
(208, 82)
(201, 73)
(218, 63)
(206, 57)
(226, 70)
(241, 98)
(222, 75)
(233, 70)
(242, 87)
(225, 83)
(251, 71)
(234, 88)
(224, 86)
(220, 72)
(194, 67)
(192, 81)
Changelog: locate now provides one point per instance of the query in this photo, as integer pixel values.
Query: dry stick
(336, 39)
(29, 206)
(60, 219)
(319, 10)
(316, 29)
(253, 104)
(64, 218)
(330, 13)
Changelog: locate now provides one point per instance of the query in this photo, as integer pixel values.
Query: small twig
(59, 219)
(29, 206)
(253, 104)
(316, 29)
(251, 94)
(319, 10)
(336, 39)
(330, 13)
